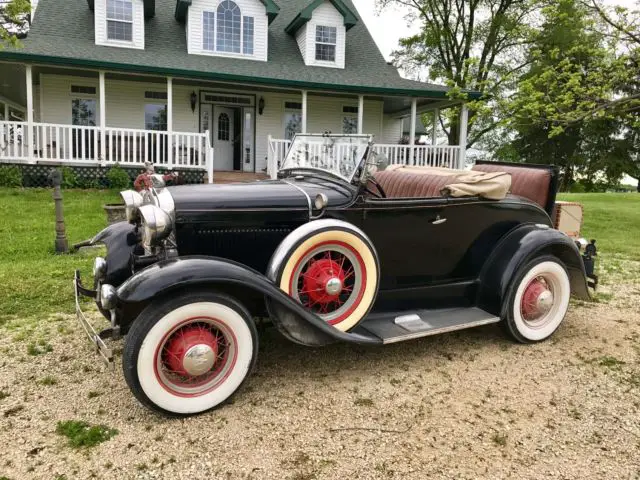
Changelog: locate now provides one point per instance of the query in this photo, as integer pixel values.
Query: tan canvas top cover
(464, 183)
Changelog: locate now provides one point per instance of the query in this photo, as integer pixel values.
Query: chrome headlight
(156, 224)
(132, 201)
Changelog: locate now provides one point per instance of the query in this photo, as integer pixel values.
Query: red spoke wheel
(539, 300)
(333, 272)
(189, 353)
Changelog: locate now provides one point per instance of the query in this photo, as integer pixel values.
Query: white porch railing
(445, 156)
(82, 145)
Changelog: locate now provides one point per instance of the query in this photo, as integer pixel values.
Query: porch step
(235, 177)
(393, 327)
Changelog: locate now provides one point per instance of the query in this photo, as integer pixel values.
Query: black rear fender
(517, 248)
(170, 277)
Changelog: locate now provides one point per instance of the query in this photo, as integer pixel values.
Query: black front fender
(163, 278)
(518, 247)
(121, 241)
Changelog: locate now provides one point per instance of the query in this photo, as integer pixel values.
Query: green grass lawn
(613, 219)
(35, 282)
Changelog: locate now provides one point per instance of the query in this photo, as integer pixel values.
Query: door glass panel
(223, 127)
(247, 135)
(83, 112)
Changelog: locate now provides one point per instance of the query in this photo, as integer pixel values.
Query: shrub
(69, 178)
(118, 178)
(10, 177)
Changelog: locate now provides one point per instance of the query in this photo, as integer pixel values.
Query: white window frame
(334, 45)
(131, 22)
(214, 34)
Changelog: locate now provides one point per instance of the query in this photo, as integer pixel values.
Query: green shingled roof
(63, 34)
(350, 18)
(183, 5)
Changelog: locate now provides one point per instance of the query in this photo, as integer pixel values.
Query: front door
(223, 137)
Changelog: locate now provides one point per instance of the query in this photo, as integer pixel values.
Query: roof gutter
(229, 77)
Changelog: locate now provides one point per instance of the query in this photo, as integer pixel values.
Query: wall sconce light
(193, 99)
(261, 105)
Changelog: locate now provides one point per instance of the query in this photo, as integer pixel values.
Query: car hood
(267, 194)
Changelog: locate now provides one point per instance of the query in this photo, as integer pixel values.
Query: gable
(306, 14)
(182, 6)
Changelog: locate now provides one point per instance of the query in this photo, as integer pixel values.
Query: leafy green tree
(573, 67)
(468, 45)
(14, 21)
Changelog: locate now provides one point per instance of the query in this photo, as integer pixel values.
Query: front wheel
(189, 354)
(538, 300)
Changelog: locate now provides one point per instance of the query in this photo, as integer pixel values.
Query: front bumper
(96, 339)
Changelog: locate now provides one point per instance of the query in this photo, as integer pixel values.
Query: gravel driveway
(464, 405)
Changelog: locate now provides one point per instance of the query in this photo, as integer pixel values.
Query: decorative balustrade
(87, 145)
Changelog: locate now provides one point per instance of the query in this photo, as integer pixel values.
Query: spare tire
(331, 268)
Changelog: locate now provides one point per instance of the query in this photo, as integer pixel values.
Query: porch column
(304, 112)
(170, 121)
(412, 130)
(464, 118)
(103, 116)
(360, 114)
(434, 132)
(28, 135)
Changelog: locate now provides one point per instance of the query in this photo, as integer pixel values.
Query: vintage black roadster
(338, 249)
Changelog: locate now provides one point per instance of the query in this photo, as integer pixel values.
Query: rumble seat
(530, 183)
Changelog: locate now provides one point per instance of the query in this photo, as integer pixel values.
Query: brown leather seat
(531, 183)
(398, 184)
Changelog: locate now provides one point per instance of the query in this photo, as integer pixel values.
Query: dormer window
(120, 20)
(120, 23)
(326, 40)
(227, 31)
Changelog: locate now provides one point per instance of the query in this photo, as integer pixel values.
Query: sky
(390, 26)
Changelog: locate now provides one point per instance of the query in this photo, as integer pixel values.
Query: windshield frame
(331, 172)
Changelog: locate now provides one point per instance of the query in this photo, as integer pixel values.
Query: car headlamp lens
(156, 224)
(132, 201)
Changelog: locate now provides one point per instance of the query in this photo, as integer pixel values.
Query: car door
(409, 236)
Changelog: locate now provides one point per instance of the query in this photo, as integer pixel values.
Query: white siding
(301, 38)
(101, 26)
(391, 130)
(248, 8)
(324, 15)
(125, 102)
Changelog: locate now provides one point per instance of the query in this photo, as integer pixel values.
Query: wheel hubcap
(194, 358)
(329, 280)
(199, 359)
(537, 300)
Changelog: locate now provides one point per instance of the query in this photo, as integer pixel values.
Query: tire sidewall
(151, 327)
(514, 321)
(364, 249)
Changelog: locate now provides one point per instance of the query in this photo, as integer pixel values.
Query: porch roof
(63, 34)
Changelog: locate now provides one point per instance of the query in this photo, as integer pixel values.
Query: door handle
(438, 220)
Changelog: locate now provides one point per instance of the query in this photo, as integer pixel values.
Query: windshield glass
(339, 155)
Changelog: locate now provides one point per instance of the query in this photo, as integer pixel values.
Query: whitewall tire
(332, 272)
(538, 300)
(190, 353)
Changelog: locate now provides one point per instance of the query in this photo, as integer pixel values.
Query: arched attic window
(228, 27)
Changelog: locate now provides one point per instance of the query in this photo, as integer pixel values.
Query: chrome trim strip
(305, 194)
(284, 249)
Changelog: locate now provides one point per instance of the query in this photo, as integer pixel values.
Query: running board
(391, 327)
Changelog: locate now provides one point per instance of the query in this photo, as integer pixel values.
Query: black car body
(323, 254)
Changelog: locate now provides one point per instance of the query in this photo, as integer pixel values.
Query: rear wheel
(538, 300)
(189, 354)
